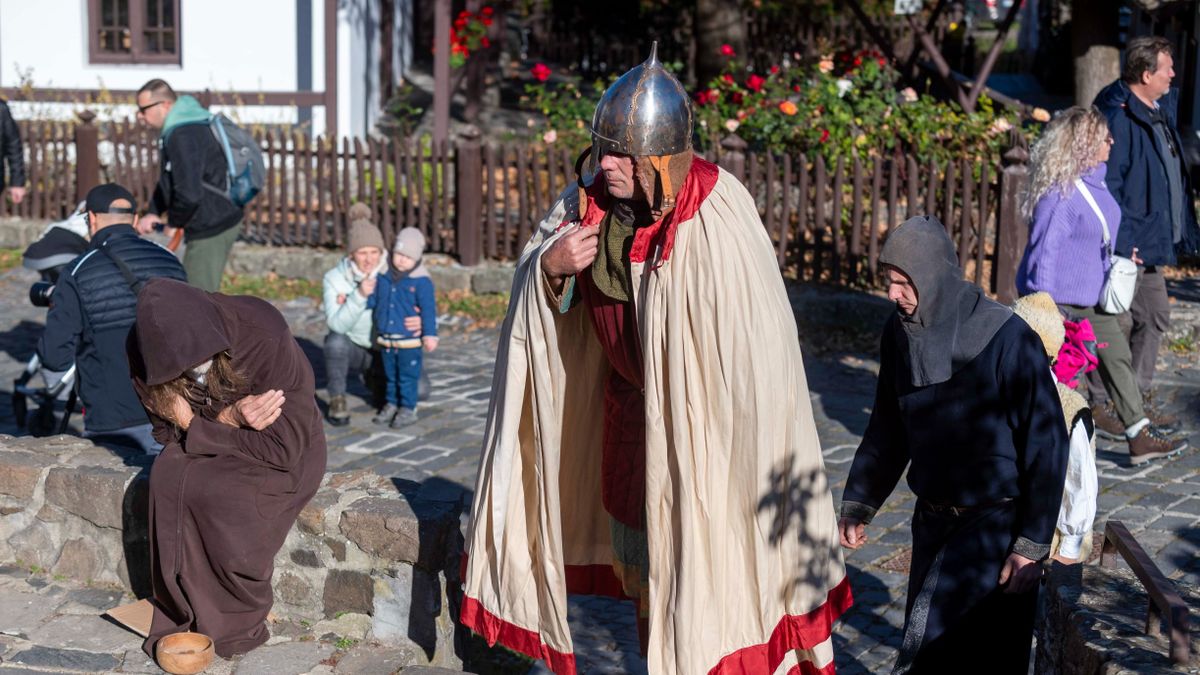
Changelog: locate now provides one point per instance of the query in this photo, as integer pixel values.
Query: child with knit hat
(346, 290)
(405, 291)
(1073, 532)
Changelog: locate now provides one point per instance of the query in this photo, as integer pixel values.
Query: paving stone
(1172, 523)
(65, 659)
(1158, 500)
(287, 657)
(91, 633)
(136, 661)
(20, 612)
(374, 659)
(97, 599)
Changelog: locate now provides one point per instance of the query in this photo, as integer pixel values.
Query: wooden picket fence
(481, 201)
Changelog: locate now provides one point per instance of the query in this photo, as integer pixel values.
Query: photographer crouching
(91, 311)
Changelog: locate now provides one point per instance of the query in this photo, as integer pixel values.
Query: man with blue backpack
(210, 169)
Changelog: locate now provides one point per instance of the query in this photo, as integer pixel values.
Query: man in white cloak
(650, 433)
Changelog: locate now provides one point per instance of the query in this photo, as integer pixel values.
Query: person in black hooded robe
(965, 400)
(231, 396)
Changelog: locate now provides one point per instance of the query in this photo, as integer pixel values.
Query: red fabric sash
(700, 181)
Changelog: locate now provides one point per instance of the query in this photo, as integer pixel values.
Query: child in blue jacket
(405, 291)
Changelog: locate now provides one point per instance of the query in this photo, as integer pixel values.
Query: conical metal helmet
(645, 113)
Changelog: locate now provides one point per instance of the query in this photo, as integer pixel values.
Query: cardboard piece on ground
(135, 616)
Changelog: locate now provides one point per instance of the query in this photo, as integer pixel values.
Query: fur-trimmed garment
(745, 573)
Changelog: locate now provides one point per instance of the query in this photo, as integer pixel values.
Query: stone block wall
(306, 262)
(1093, 624)
(369, 558)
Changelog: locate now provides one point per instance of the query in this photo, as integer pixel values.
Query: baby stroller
(60, 243)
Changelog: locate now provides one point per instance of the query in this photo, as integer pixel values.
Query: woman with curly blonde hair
(1074, 220)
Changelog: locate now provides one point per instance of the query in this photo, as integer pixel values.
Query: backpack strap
(135, 284)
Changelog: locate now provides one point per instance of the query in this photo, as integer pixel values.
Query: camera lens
(40, 292)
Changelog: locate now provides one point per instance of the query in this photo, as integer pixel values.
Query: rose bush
(844, 104)
(840, 104)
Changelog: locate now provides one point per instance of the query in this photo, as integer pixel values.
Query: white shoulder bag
(1117, 294)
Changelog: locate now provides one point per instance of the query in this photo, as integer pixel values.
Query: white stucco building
(263, 60)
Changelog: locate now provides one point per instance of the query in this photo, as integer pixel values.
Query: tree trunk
(718, 22)
(387, 50)
(1097, 59)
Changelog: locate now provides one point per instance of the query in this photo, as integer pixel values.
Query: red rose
(487, 20)
(755, 83)
(774, 69)
(541, 72)
(857, 61)
(486, 11)
(484, 42)
(727, 78)
(824, 135)
(737, 98)
(727, 50)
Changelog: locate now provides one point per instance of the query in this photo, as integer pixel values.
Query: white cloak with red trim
(746, 576)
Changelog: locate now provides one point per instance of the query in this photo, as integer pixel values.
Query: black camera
(40, 292)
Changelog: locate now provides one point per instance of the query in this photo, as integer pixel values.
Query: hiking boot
(385, 414)
(1166, 422)
(1108, 425)
(405, 417)
(339, 412)
(1150, 443)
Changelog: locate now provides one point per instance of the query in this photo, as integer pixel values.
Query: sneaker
(339, 412)
(1152, 443)
(405, 417)
(1108, 425)
(1166, 422)
(385, 414)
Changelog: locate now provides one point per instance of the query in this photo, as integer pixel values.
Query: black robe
(990, 438)
(222, 500)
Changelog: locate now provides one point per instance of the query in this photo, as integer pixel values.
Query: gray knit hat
(410, 242)
(362, 232)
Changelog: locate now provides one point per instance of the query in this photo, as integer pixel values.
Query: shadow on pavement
(871, 598)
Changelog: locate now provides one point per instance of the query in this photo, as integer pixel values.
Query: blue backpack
(243, 154)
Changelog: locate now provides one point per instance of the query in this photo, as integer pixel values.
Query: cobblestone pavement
(1160, 502)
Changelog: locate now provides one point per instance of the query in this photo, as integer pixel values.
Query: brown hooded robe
(222, 500)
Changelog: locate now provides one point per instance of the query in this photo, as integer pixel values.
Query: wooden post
(87, 155)
(331, 64)
(469, 189)
(441, 70)
(733, 156)
(1011, 229)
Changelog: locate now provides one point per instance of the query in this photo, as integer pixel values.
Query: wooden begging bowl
(184, 653)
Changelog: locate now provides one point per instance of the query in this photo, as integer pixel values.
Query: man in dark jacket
(191, 190)
(1148, 176)
(967, 404)
(12, 154)
(92, 310)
